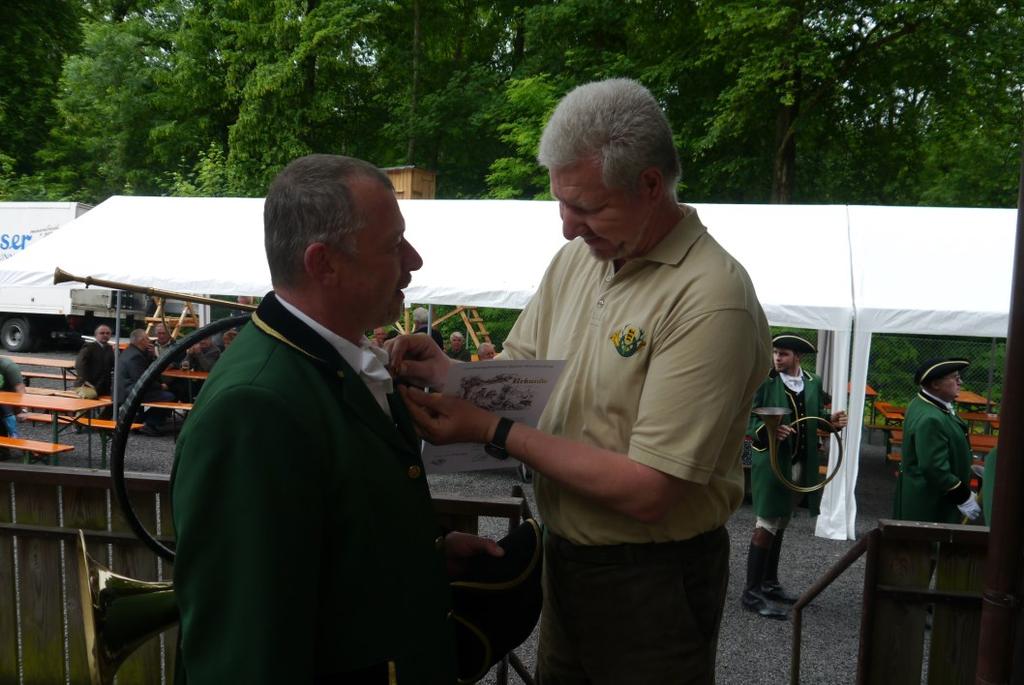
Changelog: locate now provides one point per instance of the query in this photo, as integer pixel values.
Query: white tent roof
(939, 270)
(475, 252)
(798, 257)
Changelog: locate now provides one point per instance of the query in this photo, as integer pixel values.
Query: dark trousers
(632, 614)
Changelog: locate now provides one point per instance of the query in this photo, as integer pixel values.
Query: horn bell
(119, 614)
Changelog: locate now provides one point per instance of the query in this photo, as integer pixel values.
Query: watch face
(495, 451)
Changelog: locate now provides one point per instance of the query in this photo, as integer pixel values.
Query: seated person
(131, 364)
(485, 352)
(10, 381)
(419, 319)
(218, 338)
(94, 365)
(457, 349)
(163, 342)
(203, 355)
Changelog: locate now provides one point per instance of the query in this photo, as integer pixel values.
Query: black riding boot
(771, 588)
(753, 599)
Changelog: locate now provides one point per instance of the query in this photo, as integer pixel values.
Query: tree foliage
(869, 101)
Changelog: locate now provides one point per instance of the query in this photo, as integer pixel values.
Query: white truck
(30, 316)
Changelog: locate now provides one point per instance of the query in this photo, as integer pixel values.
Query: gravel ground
(751, 650)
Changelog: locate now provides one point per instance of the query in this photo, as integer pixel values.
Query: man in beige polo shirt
(636, 457)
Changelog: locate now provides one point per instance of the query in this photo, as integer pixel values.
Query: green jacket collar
(272, 319)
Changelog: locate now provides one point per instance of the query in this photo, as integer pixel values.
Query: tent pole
(1001, 598)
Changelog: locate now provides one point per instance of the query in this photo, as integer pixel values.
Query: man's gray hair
(420, 315)
(310, 202)
(618, 122)
(137, 336)
(456, 336)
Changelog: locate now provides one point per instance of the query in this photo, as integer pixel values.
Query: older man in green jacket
(308, 550)
(935, 471)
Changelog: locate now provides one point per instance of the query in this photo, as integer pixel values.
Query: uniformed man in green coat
(307, 547)
(935, 471)
(790, 386)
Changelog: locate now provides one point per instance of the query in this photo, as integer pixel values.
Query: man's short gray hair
(310, 202)
(420, 315)
(456, 336)
(137, 336)
(618, 122)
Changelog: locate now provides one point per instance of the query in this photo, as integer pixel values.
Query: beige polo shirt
(662, 360)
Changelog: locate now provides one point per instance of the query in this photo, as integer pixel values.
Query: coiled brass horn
(119, 613)
(772, 418)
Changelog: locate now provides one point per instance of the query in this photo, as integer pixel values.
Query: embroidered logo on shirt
(628, 340)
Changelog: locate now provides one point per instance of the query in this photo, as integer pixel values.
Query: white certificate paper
(518, 390)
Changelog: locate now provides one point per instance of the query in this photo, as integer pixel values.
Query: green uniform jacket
(988, 486)
(307, 544)
(772, 499)
(936, 459)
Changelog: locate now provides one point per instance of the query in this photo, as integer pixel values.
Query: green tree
(37, 36)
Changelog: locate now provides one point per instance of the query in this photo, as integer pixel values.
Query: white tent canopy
(810, 264)
(920, 270)
(477, 252)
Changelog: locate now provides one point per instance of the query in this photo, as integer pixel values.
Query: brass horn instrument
(62, 276)
(772, 418)
(121, 613)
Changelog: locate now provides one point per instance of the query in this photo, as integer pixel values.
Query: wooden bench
(105, 425)
(46, 449)
(891, 414)
(43, 374)
(100, 424)
(174, 408)
(983, 443)
(894, 440)
(29, 390)
(180, 406)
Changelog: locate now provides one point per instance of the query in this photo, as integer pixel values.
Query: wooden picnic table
(869, 395)
(972, 398)
(42, 361)
(188, 378)
(55, 405)
(65, 366)
(989, 419)
(983, 444)
(188, 375)
(890, 413)
(869, 392)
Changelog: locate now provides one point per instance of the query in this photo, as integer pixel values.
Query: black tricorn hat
(937, 368)
(788, 341)
(496, 602)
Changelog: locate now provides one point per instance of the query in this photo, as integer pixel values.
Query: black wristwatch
(496, 447)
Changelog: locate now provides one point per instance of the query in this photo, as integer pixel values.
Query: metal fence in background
(894, 359)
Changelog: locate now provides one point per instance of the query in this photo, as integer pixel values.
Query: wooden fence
(41, 509)
(921, 607)
(922, 588)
